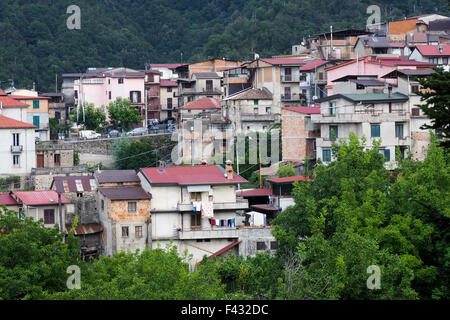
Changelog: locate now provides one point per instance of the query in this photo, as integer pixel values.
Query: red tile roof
(290, 179)
(39, 198)
(7, 200)
(2, 93)
(311, 64)
(190, 175)
(285, 61)
(254, 193)
(8, 101)
(8, 123)
(304, 110)
(204, 103)
(29, 97)
(127, 193)
(434, 50)
(168, 83)
(225, 249)
(167, 65)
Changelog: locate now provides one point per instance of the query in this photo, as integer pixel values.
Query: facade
(250, 110)
(313, 79)
(57, 108)
(18, 147)
(438, 55)
(198, 86)
(9, 202)
(235, 80)
(299, 133)
(56, 156)
(41, 205)
(169, 100)
(152, 92)
(167, 70)
(195, 207)
(125, 218)
(213, 65)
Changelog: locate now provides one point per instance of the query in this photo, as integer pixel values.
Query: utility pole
(146, 97)
(61, 223)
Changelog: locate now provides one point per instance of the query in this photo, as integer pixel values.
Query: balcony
(290, 78)
(238, 205)
(216, 233)
(16, 149)
(291, 97)
(358, 117)
(257, 117)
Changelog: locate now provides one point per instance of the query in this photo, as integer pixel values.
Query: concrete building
(235, 80)
(57, 108)
(41, 205)
(213, 65)
(437, 55)
(54, 156)
(125, 219)
(313, 79)
(116, 178)
(299, 133)
(169, 100)
(9, 202)
(194, 206)
(198, 86)
(168, 70)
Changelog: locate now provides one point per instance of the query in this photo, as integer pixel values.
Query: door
(287, 93)
(287, 74)
(209, 85)
(39, 161)
(36, 121)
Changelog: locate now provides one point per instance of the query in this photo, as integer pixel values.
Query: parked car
(153, 128)
(113, 134)
(137, 132)
(152, 122)
(89, 134)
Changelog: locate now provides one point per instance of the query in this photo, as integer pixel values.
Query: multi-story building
(57, 108)
(169, 100)
(213, 65)
(168, 70)
(438, 55)
(313, 79)
(195, 207)
(198, 86)
(235, 80)
(152, 91)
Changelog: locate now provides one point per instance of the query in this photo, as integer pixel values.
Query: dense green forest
(36, 43)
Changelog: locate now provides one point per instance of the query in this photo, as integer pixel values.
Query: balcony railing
(257, 117)
(291, 97)
(213, 233)
(290, 78)
(238, 205)
(16, 149)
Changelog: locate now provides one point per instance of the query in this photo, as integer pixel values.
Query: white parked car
(89, 134)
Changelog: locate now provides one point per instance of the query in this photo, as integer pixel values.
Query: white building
(195, 207)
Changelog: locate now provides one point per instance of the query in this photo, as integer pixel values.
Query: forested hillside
(36, 43)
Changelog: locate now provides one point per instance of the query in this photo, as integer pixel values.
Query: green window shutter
(36, 121)
(375, 130)
(256, 102)
(334, 132)
(35, 104)
(326, 155)
(387, 155)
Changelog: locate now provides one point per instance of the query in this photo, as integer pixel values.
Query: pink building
(102, 86)
(371, 66)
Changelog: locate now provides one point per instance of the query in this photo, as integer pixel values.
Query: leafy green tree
(356, 214)
(437, 102)
(33, 258)
(132, 154)
(122, 114)
(286, 170)
(95, 118)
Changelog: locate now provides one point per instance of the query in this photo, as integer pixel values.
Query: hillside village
(333, 84)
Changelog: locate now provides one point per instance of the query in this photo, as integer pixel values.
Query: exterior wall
(27, 155)
(37, 213)
(402, 26)
(66, 158)
(242, 113)
(297, 138)
(214, 65)
(84, 207)
(251, 236)
(164, 95)
(17, 113)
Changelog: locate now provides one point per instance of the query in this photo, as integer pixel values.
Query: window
(273, 245)
(390, 107)
(260, 245)
(333, 132)
(445, 60)
(125, 232)
(138, 231)
(197, 196)
(386, 153)
(49, 216)
(120, 80)
(132, 207)
(326, 155)
(103, 204)
(402, 152)
(109, 95)
(415, 112)
(169, 103)
(76, 94)
(169, 89)
(16, 161)
(196, 221)
(255, 110)
(256, 102)
(135, 96)
(109, 81)
(79, 195)
(399, 130)
(375, 130)
(36, 121)
(16, 140)
(35, 104)
(268, 110)
(332, 108)
(414, 88)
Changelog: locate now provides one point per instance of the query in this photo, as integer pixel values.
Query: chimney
(204, 162)
(229, 170)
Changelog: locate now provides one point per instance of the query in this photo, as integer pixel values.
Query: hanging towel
(207, 209)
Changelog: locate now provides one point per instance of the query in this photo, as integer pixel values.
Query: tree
(95, 118)
(286, 170)
(356, 214)
(122, 114)
(134, 155)
(437, 102)
(33, 258)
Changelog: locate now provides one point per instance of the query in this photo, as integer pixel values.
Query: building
(57, 108)
(198, 86)
(42, 205)
(54, 156)
(397, 30)
(313, 79)
(9, 202)
(250, 110)
(213, 66)
(168, 70)
(17, 151)
(125, 219)
(282, 191)
(152, 91)
(299, 133)
(37, 114)
(195, 207)
(81, 192)
(169, 100)
(235, 80)
(437, 55)
(374, 45)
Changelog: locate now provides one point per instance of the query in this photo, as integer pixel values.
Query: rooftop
(168, 83)
(7, 200)
(284, 61)
(251, 94)
(312, 64)
(127, 193)
(304, 110)
(206, 75)
(434, 50)
(204, 103)
(39, 198)
(190, 175)
(289, 179)
(74, 184)
(116, 176)
(254, 193)
(9, 123)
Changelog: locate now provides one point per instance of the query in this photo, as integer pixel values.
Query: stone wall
(250, 236)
